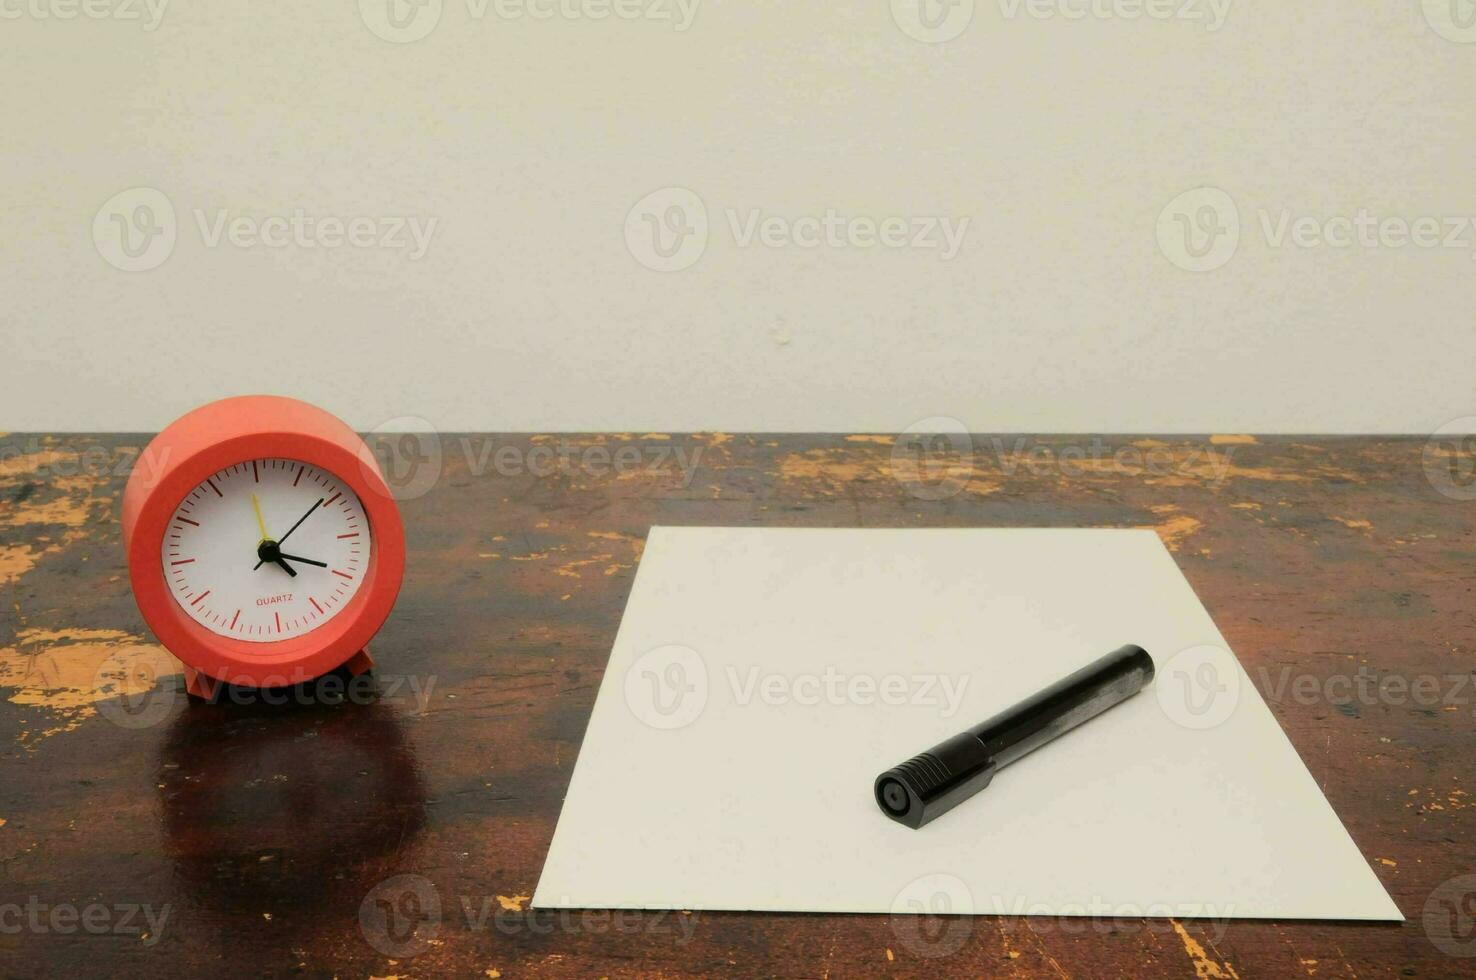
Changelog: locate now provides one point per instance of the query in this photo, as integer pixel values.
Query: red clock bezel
(219, 435)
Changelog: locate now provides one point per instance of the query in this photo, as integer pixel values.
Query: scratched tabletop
(396, 825)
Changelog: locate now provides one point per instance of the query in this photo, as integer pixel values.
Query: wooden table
(273, 837)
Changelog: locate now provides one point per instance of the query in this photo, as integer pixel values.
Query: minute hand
(300, 520)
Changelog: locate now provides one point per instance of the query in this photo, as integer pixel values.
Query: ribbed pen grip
(933, 782)
(926, 772)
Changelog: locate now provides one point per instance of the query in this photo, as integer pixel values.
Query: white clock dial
(276, 577)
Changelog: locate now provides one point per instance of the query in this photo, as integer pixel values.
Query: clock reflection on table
(287, 806)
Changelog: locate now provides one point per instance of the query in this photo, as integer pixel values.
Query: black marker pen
(930, 784)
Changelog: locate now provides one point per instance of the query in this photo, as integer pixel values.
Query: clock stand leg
(200, 685)
(359, 663)
(207, 688)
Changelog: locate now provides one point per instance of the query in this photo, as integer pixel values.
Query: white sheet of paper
(762, 678)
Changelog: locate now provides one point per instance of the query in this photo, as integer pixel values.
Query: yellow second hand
(260, 524)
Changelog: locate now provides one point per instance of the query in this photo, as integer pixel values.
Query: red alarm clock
(264, 547)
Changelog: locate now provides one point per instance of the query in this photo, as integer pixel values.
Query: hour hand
(268, 551)
(305, 561)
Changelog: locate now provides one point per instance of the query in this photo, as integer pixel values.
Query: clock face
(266, 550)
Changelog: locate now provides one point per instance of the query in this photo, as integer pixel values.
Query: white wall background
(528, 141)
